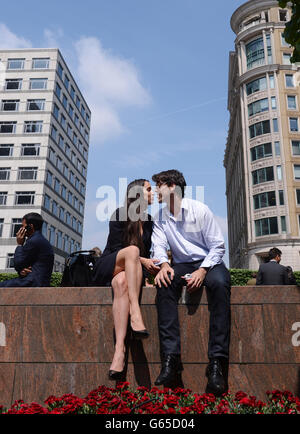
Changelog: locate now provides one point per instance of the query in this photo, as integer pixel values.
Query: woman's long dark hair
(132, 234)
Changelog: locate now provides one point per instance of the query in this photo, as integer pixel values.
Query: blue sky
(155, 74)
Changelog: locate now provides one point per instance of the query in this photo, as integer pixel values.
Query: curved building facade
(262, 157)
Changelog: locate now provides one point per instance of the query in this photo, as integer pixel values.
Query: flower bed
(124, 400)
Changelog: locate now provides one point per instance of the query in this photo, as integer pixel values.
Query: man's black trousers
(217, 282)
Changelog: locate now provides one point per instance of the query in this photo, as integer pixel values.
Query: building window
(60, 70)
(66, 171)
(283, 41)
(293, 124)
(57, 186)
(6, 150)
(296, 147)
(3, 197)
(42, 63)
(16, 224)
(30, 149)
(72, 93)
(53, 133)
(277, 149)
(68, 218)
(54, 208)
(15, 63)
(62, 214)
(273, 103)
(83, 112)
(1, 227)
(33, 127)
(78, 102)
(261, 151)
(287, 58)
(27, 173)
(56, 111)
(70, 198)
(264, 200)
(275, 125)
(279, 173)
(35, 104)
(71, 111)
(10, 105)
(265, 174)
(81, 208)
(38, 83)
(47, 202)
(297, 171)
(49, 178)
(51, 235)
(63, 192)
(289, 80)
(59, 164)
(269, 48)
(4, 173)
(291, 102)
(8, 127)
(45, 229)
(24, 198)
(69, 131)
(63, 121)
(10, 260)
(258, 106)
(13, 84)
(59, 240)
(272, 81)
(74, 223)
(65, 102)
(67, 82)
(283, 224)
(283, 15)
(76, 120)
(255, 53)
(281, 197)
(58, 91)
(268, 226)
(259, 128)
(61, 142)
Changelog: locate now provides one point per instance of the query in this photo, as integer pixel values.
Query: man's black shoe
(171, 366)
(216, 374)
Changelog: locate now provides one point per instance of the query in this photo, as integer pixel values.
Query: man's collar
(184, 206)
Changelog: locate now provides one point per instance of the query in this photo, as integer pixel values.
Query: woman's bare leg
(128, 259)
(120, 314)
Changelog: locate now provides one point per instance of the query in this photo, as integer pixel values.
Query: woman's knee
(133, 252)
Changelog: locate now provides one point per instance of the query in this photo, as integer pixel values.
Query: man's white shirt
(192, 235)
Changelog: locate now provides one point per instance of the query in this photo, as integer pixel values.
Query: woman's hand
(150, 266)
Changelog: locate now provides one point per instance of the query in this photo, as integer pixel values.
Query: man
(33, 259)
(188, 227)
(272, 273)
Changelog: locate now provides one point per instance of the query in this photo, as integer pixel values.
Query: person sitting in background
(292, 279)
(272, 273)
(97, 252)
(33, 259)
(252, 281)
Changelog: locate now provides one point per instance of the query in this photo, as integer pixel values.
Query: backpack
(79, 268)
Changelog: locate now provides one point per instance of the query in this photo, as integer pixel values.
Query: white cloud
(109, 84)
(52, 38)
(9, 40)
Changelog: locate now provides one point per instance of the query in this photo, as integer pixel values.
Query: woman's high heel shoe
(116, 375)
(139, 334)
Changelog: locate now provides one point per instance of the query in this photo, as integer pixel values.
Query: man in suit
(33, 259)
(272, 273)
(189, 228)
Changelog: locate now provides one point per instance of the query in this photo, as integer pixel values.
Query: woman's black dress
(105, 265)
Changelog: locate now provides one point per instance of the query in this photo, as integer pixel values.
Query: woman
(124, 265)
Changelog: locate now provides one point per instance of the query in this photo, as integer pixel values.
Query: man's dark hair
(274, 252)
(170, 177)
(34, 219)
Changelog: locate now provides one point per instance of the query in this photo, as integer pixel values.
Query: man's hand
(21, 236)
(196, 280)
(25, 271)
(150, 266)
(165, 275)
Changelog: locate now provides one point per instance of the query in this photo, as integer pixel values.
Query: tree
(292, 28)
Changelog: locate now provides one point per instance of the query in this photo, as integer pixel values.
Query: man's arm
(259, 277)
(159, 243)
(25, 255)
(214, 240)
